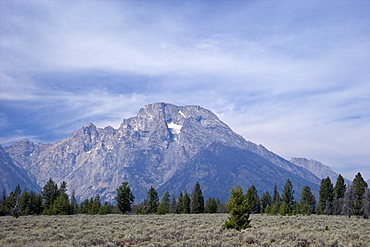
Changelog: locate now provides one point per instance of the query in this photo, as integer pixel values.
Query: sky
(293, 76)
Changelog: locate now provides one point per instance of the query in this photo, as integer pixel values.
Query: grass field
(182, 230)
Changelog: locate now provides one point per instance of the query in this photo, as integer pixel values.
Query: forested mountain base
(182, 230)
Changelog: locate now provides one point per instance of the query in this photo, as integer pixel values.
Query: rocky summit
(165, 146)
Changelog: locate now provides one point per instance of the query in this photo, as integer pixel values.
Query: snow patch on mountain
(182, 114)
(175, 128)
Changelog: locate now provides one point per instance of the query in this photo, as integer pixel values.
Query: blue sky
(293, 76)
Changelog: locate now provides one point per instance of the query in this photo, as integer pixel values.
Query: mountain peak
(148, 150)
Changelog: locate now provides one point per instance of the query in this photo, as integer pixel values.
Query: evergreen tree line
(185, 203)
(52, 200)
(333, 200)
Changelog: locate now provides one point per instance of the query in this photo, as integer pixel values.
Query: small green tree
(238, 209)
(164, 206)
(153, 200)
(359, 187)
(105, 209)
(252, 200)
(186, 203)
(62, 205)
(197, 200)
(287, 196)
(276, 201)
(326, 195)
(124, 198)
(211, 206)
(36, 203)
(307, 202)
(49, 193)
(340, 187)
(25, 203)
(266, 202)
(180, 203)
(84, 207)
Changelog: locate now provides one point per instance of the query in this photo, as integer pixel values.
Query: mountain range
(165, 146)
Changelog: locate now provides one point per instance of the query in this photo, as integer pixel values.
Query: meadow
(182, 230)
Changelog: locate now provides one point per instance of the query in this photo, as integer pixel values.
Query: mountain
(219, 165)
(11, 175)
(317, 168)
(152, 149)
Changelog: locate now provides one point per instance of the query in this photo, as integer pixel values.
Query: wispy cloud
(293, 77)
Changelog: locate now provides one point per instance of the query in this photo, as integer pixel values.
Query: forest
(334, 199)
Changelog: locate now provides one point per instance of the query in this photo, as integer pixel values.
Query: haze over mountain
(165, 146)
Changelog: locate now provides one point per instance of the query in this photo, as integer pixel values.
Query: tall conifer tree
(252, 200)
(197, 200)
(153, 200)
(307, 202)
(325, 194)
(288, 196)
(359, 187)
(124, 198)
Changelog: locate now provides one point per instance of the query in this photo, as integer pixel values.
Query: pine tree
(359, 186)
(266, 202)
(105, 209)
(124, 198)
(287, 196)
(339, 192)
(94, 205)
(50, 193)
(164, 206)
(211, 206)
(61, 205)
(186, 203)
(325, 194)
(153, 200)
(239, 211)
(340, 187)
(36, 203)
(180, 203)
(84, 207)
(252, 200)
(307, 201)
(197, 200)
(276, 200)
(25, 203)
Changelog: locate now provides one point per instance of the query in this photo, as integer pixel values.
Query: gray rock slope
(11, 174)
(317, 168)
(146, 150)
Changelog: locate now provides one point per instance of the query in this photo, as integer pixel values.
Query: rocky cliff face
(146, 150)
(11, 174)
(317, 168)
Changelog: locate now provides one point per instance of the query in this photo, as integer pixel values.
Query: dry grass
(182, 230)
